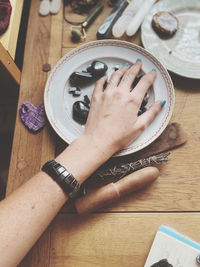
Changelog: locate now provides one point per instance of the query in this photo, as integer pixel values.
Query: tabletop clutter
(125, 18)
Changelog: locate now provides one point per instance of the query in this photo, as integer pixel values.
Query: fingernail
(126, 64)
(163, 103)
(154, 69)
(139, 60)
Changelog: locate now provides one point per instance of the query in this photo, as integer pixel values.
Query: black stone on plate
(71, 90)
(137, 79)
(117, 67)
(145, 100)
(141, 110)
(80, 78)
(86, 100)
(105, 85)
(97, 68)
(77, 92)
(80, 111)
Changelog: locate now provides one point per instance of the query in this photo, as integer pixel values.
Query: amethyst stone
(33, 117)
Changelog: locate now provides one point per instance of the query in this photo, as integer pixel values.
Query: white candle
(139, 17)
(122, 23)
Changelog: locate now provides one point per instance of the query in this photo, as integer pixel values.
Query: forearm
(26, 213)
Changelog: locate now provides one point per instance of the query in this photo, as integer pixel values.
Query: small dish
(180, 53)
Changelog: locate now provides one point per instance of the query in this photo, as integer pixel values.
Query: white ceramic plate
(58, 102)
(181, 53)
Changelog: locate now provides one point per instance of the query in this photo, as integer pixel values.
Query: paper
(178, 249)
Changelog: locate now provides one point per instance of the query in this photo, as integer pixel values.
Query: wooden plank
(9, 38)
(29, 151)
(31, 89)
(116, 239)
(55, 53)
(9, 64)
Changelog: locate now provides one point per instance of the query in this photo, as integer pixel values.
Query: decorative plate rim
(168, 66)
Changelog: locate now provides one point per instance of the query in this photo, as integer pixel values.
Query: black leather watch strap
(65, 179)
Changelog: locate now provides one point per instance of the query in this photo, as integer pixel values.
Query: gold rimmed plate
(58, 102)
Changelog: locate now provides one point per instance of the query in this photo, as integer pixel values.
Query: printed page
(179, 250)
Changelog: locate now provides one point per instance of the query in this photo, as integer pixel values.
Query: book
(174, 248)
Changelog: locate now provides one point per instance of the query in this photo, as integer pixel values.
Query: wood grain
(121, 234)
(8, 63)
(43, 45)
(112, 239)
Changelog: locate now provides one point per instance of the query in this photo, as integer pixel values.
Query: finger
(98, 89)
(143, 85)
(116, 77)
(131, 74)
(99, 86)
(148, 116)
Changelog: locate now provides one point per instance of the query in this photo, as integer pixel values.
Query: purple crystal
(33, 118)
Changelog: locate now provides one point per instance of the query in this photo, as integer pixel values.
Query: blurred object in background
(105, 30)
(81, 6)
(5, 13)
(139, 17)
(122, 23)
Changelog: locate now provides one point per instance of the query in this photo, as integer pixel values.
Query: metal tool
(79, 31)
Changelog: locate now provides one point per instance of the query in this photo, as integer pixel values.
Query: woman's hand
(113, 121)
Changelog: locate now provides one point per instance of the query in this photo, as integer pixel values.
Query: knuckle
(94, 97)
(117, 74)
(134, 100)
(117, 94)
(134, 70)
(142, 126)
(155, 110)
(98, 83)
(147, 80)
(108, 93)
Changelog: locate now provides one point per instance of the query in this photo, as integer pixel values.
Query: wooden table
(121, 234)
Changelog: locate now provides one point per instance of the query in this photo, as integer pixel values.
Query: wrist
(83, 156)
